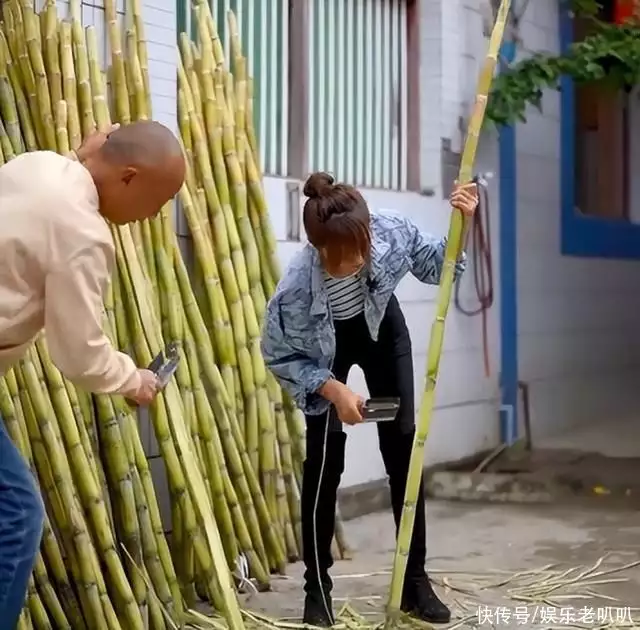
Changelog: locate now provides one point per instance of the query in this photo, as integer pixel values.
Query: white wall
(466, 417)
(578, 348)
(578, 336)
(160, 21)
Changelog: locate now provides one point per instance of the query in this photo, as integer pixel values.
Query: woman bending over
(334, 308)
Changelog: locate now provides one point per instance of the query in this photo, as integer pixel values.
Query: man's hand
(465, 198)
(93, 143)
(147, 390)
(348, 404)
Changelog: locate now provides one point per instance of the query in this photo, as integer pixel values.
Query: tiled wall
(579, 346)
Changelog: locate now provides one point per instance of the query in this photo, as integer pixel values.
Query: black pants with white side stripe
(388, 369)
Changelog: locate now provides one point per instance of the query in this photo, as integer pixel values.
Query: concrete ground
(600, 459)
(618, 437)
(475, 552)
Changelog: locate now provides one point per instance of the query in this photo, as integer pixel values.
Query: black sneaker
(420, 601)
(315, 610)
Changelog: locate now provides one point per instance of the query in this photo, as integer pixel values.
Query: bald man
(56, 256)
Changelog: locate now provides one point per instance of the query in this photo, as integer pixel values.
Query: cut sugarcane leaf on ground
(454, 246)
(231, 444)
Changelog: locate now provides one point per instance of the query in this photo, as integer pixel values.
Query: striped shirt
(346, 296)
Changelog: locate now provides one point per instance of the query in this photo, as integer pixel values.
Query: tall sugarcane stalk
(454, 246)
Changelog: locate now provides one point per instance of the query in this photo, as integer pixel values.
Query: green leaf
(610, 54)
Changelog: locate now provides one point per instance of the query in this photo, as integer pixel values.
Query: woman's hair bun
(317, 184)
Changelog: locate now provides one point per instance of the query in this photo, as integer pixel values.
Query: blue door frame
(508, 191)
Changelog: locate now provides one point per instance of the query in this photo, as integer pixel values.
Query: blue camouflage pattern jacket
(298, 337)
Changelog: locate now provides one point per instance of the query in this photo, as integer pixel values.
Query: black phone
(380, 409)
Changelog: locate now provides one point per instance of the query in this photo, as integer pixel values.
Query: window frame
(581, 235)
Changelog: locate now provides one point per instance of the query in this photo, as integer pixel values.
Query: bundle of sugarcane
(232, 446)
(105, 561)
(236, 261)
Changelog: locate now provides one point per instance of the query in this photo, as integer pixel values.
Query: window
(603, 121)
(600, 154)
(335, 85)
(264, 34)
(358, 91)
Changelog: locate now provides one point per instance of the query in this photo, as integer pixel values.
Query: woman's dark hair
(336, 218)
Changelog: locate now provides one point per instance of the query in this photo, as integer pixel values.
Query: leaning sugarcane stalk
(454, 246)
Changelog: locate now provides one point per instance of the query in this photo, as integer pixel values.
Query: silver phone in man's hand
(380, 409)
(165, 364)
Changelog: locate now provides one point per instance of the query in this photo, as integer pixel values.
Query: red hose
(479, 254)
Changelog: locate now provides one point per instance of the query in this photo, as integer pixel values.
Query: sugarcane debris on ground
(232, 444)
(547, 597)
(539, 596)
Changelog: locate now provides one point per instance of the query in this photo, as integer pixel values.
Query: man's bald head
(142, 143)
(137, 170)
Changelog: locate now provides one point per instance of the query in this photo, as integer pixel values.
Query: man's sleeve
(73, 325)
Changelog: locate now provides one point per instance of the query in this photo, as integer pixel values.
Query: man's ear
(128, 175)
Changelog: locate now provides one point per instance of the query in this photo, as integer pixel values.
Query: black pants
(388, 369)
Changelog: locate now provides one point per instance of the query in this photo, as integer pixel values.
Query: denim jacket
(298, 340)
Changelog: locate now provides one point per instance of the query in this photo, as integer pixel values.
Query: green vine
(609, 54)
